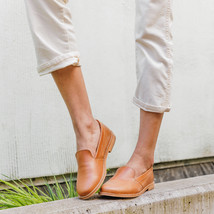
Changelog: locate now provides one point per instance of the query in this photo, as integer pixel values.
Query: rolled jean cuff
(150, 108)
(59, 62)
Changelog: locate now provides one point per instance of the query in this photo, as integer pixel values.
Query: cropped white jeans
(55, 44)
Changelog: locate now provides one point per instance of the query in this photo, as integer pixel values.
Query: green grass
(19, 193)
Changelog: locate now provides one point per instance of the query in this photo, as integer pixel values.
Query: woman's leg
(154, 64)
(152, 96)
(57, 53)
(90, 134)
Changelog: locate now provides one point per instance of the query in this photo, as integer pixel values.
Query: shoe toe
(109, 186)
(120, 187)
(86, 186)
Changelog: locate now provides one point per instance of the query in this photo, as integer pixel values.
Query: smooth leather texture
(92, 169)
(125, 184)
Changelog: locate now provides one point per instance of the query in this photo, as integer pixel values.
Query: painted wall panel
(36, 136)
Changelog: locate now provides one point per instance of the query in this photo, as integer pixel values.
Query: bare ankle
(147, 157)
(87, 136)
(85, 126)
(141, 162)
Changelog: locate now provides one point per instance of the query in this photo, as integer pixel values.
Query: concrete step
(188, 196)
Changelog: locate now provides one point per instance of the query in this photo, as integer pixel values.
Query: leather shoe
(125, 184)
(92, 169)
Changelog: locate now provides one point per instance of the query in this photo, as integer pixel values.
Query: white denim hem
(59, 62)
(150, 108)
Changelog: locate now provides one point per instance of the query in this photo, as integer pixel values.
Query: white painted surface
(36, 137)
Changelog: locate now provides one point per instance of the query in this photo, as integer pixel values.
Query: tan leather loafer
(92, 169)
(124, 184)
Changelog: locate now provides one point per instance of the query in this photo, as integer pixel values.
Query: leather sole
(147, 188)
(109, 149)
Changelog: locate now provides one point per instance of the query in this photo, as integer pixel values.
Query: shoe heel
(111, 143)
(151, 186)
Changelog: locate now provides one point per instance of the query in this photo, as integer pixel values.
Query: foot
(92, 169)
(126, 184)
(140, 162)
(87, 136)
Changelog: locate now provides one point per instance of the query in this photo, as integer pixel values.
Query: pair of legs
(57, 53)
(71, 85)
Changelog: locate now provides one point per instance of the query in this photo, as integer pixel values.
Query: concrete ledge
(192, 195)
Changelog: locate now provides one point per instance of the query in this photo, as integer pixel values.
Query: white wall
(36, 137)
